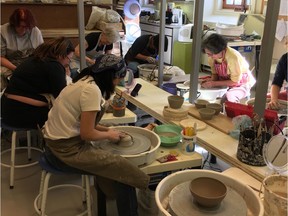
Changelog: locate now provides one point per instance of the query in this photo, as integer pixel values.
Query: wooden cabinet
(170, 31)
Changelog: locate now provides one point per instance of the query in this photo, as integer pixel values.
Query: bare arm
(77, 53)
(88, 131)
(6, 63)
(274, 103)
(141, 57)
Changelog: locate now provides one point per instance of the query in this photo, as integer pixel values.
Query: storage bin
(229, 30)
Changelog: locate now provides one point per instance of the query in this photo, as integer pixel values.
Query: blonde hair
(111, 34)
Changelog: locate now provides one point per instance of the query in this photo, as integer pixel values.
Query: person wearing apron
(229, 69)
(144, 50)
(19, 38)
(96, 43)
(71, 126)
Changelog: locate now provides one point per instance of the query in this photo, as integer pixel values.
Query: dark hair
(54, 48)
(104, 72)
(214, 43)
(22, 15)
(156, 42)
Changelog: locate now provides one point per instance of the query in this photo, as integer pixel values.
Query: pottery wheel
(181, 203)
(140, 144)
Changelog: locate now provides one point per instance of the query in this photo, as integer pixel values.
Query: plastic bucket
(275, 195)
(170, 87)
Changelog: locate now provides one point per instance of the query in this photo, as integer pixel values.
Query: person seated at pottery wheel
(96, 43)
(144, 50)
(71, 126)
(229, 69)
(280, 75)
(19, 38)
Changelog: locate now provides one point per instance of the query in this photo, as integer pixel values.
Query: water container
(170, 87)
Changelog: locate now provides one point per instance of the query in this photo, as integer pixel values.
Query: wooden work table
(152, 100)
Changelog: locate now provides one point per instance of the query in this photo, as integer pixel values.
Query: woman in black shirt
(35, 83)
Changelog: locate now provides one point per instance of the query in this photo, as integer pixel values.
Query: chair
(13, 149)
(47, 171)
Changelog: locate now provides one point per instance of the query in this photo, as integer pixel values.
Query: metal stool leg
(88, 195)
(12, 163)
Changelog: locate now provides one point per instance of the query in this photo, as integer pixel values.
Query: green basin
(169, 134)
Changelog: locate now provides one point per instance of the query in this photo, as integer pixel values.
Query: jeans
(134, 67)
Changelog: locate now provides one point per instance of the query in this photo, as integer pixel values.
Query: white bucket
(275, 195)
(166, 185)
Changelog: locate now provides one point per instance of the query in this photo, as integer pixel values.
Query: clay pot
(201, 103)
(208, 192)
(206, 113)
(175, 101)
(216, 106)
(118, 111)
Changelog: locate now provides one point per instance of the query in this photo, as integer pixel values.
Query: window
(237, 5)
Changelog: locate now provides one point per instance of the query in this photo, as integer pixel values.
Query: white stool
(13, 149)
(48, 170)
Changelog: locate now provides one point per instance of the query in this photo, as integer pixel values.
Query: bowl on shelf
(208, 192)
(200, 103)
(206, 113)
(175, 101)
(216, 106)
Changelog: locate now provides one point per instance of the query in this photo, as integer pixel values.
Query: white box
(229, 30)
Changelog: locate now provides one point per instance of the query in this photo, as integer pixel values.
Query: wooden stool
(47, 171)
(13, 149)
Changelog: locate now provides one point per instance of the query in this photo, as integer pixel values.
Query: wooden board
(220, 122)
(190, 123)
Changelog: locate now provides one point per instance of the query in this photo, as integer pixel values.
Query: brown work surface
(220, 122)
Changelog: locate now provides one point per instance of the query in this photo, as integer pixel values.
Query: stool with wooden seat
(13, 149)
(40, 202)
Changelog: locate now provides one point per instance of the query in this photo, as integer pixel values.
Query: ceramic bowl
(216, 106)
(207, 113)
(175, 101)
(208, 192)
(200, 103)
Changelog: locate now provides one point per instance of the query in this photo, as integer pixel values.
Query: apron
(82, 155)
(94, 53)
(221, 70)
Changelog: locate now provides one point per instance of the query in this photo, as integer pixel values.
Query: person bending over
(26, 100)
(71, 126)
(96, 43)
(229, 69)
(144, 50)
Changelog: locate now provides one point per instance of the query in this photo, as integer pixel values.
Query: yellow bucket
(275, 195)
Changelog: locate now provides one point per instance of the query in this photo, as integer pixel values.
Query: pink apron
(221, 70)
(235, 93)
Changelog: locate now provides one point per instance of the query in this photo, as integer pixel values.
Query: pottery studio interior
(199, 128)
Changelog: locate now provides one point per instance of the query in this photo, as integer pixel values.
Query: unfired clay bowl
(216, 106)
(175, 101)
(208, 192)
(206, 113)
(201, 103)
